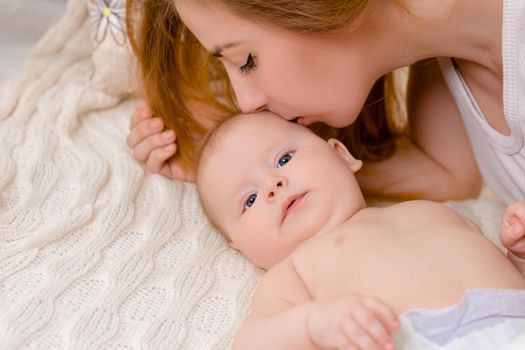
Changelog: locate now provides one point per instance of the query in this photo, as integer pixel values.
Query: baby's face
(271, 184)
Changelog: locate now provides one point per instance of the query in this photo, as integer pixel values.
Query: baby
(338, 273)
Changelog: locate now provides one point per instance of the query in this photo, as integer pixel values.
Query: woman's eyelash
(248, 66)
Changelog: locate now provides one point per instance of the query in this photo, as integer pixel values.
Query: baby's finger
(511, 233)
(337, 340)
(387, 315)
(142, 111)
(517, 210)
(358, 337)
(143, 130)
(378, 332)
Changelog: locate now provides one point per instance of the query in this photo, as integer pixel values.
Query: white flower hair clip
(108, 15)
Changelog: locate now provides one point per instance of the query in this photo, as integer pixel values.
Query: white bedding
(95, 252)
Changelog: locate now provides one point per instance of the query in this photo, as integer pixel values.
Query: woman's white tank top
(501, 159)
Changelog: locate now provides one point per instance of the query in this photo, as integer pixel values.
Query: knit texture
(95, 252)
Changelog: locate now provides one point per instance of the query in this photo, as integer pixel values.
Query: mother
(319, 61)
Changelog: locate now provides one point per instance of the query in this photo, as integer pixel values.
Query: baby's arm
(284, 316)
(472, 225)
(274, 321)
(352, 322)
(512, 234)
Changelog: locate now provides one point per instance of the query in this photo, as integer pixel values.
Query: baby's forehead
(224, 132)
(249, 134)
(239, 127)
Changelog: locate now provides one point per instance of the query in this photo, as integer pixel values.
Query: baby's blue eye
(249, 202)
(285, 159)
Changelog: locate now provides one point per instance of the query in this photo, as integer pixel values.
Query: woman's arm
(437, 161)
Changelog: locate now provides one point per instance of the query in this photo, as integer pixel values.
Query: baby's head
(268, 185)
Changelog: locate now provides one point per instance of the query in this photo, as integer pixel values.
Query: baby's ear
(342, 151)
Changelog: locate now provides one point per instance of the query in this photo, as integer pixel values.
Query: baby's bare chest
(348, 261)
(374, 259)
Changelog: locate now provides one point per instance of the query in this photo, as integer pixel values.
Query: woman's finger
(143, 150)
(159, 156)
(177, 172)
(142, 111)
(144, 130)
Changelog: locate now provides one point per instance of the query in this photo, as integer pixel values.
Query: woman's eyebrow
(217, 51)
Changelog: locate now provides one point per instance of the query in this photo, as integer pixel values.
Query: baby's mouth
(290, 203)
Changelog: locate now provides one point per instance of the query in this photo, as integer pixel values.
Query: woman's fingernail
(156, 123)
(169, 148)
(167, 135)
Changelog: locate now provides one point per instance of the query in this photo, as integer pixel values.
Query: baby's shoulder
(424, 206)
(283, 281)
(414, 212)
(421, 205)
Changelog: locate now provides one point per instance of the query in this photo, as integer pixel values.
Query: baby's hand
(154, 146)
(352, 322)
(512, 234)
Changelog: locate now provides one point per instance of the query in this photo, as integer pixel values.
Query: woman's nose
(273, 185)
(249, 96)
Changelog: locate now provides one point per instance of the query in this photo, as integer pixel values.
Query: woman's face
(316, 78)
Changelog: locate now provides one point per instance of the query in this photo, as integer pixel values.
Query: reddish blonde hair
(177, 72)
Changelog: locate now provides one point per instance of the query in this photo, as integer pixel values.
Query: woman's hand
(154, 146)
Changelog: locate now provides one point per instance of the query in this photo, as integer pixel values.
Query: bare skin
(338, 273)
(512, 234)
(386, 253)
(387, 242)
(385, 39)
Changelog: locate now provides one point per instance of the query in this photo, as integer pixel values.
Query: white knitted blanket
(95, 252)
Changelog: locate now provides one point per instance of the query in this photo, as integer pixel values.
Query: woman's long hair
(179, 77)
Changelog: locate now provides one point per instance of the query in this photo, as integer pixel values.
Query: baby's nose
(273, 185)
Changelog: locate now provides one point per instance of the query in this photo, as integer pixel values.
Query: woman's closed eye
(285, 159)
(249, 201)
(248, 66)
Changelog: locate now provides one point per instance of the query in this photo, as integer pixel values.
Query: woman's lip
(290, 204)
(298, 120)
(302, 121)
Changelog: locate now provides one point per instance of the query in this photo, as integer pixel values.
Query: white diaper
(484, 319)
